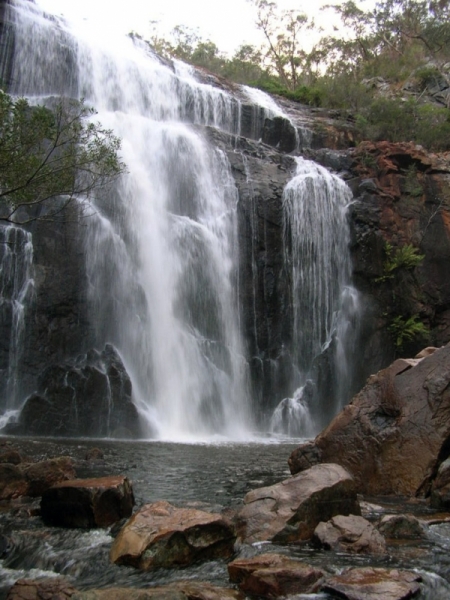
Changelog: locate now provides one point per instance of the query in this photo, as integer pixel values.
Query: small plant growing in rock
(407, 329)
(405, 257)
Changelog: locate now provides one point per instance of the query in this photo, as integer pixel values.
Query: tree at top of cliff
(50, 156)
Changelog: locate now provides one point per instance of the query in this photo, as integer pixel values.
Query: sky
(228, 23)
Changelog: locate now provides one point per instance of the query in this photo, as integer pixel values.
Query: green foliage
(396, 120)
(51, 153)
(312, 96)
(406, 257)
(407, 329)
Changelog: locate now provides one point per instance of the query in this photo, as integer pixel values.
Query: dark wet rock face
(88, 397)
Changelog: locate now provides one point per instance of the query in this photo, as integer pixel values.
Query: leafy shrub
(407, 329)
(405, 257)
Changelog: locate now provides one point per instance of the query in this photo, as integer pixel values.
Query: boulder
(12, 482)
(88, 503)
(401, 527)
(351, 534)
(11, 456)
(394, 433)
(43, 475)
(440, 490)
(290, 511)
(90, 397)
(33, 479)
(368, 583)
(94, 454)
(181, 590)
(55, 588)
(160, 535)
(274, 575)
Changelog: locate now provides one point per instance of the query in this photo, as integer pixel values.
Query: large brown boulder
(289, 511)
(351, 534)
(274, 575)
(395, 432)
(373, 584)
(160, 535)
(88, 503)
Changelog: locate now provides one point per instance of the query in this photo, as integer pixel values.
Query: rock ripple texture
(160, 535)
(291, 510)
(88, 503)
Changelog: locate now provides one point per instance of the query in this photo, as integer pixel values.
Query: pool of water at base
(204, 476)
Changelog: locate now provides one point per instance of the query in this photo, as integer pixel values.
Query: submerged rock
(395, 432)
(274, 575)
(351, 534)
(88, 503)
(401, 527)
(373, 584)
(160, 535)
(291, 510)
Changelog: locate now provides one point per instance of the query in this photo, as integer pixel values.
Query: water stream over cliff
(162, 256)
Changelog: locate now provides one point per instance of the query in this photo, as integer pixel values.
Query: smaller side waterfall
(324, 305)
(16, 289)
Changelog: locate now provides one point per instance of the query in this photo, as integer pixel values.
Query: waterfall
(325, 306)
(16, 290)
(161, 248)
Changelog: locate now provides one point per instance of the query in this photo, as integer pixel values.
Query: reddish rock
(291, 510)
(374, 584)
(274, 575)
(12, 482)
(88, 503)
(55, 588)
(391, 435)
(181, 590)
(351, 534)
(160, 535)
(43, 475)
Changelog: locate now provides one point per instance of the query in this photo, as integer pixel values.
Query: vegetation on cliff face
(381, 65)
(49, 156)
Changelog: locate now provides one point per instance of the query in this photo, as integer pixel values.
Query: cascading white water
(325, 305)
(162, 256)
(16, 290)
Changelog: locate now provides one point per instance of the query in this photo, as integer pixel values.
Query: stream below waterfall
(204, 476)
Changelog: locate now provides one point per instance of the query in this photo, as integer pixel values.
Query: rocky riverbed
(215, 479)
